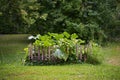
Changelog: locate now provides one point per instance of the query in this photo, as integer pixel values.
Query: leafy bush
(65, 48)
(64, 43)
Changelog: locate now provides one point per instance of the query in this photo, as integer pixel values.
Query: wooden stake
(30, 52)
(38, 53)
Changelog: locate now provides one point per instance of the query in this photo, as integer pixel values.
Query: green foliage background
(90, 19)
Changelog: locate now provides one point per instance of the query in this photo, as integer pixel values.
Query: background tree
(16, 16)
(77, 16)
(10, 20)
(90, 19)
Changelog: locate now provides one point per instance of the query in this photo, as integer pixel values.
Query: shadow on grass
(90, 60)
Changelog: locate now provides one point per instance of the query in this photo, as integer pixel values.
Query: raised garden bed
(57, 48)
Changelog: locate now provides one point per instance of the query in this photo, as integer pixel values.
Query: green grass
(11, 48)
(11, 67)
(111, 54)
(64, 72)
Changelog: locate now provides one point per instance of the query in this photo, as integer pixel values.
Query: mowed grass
(112, 54)
(11, 67)
(60, 72)
(11, 48)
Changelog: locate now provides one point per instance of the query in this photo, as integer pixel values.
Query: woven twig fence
(37, 53)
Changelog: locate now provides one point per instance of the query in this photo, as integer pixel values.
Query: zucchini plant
(64, 44)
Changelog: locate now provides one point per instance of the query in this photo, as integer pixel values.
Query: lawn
(12, 68)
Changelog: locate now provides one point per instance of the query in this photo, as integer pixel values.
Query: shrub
(59, 48)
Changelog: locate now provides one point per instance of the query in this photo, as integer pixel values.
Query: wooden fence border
(42, 54)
